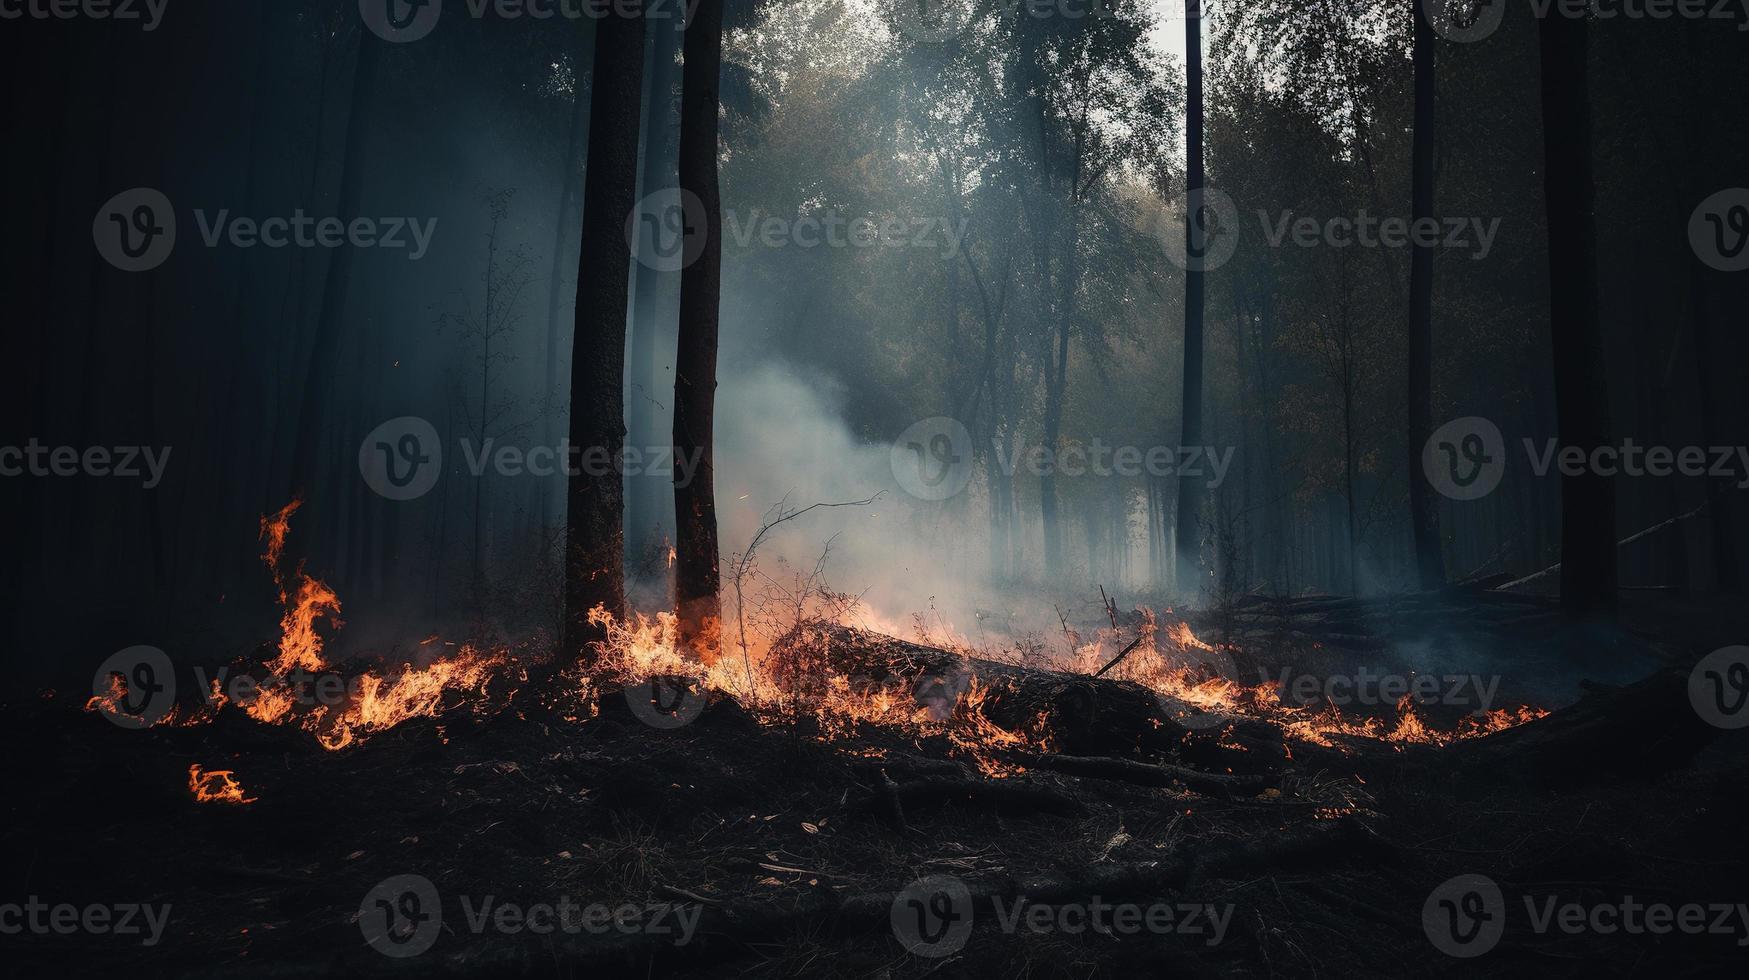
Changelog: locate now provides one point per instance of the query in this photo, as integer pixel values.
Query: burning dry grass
(782, 682)
(1198, 677)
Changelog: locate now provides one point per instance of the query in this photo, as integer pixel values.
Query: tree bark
(1423, 505)
(321, 370)
(648, 517)
(1588, 554)
(1189, 512)
(594, 534)
(569, 194)
(696, 576)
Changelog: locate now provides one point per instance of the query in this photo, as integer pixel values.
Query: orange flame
(216, 786)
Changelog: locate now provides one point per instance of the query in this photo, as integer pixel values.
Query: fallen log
(1077, 713)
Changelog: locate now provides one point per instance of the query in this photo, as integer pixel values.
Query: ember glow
(1183, 668)
(216, 786)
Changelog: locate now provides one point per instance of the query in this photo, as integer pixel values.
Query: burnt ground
(785, 850)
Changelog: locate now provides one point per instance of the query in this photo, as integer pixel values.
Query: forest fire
(216, 786)
(1190, 671)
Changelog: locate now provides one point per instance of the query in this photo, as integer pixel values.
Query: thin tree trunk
(1423, 506)
(595, 499)
(1189, 492)
(570, 193)
(1588, 553)
(696, 577)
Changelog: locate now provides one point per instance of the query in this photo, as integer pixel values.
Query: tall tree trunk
(322, 367)
(594, 512)
(1189, 492)
(1423, 505)
(648, 515)
(696, 577)
(570, 195)
(1588, 550)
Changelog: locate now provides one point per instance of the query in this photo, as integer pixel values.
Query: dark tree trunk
(570, 194)
(696, 577)
(1423, 506)
(595, 497)
(1189, 492)
(1588, 550)
(648, 497)
(322, 367)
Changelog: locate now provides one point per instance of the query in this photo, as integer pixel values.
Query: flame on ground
(1175, 663)
(216, 786)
